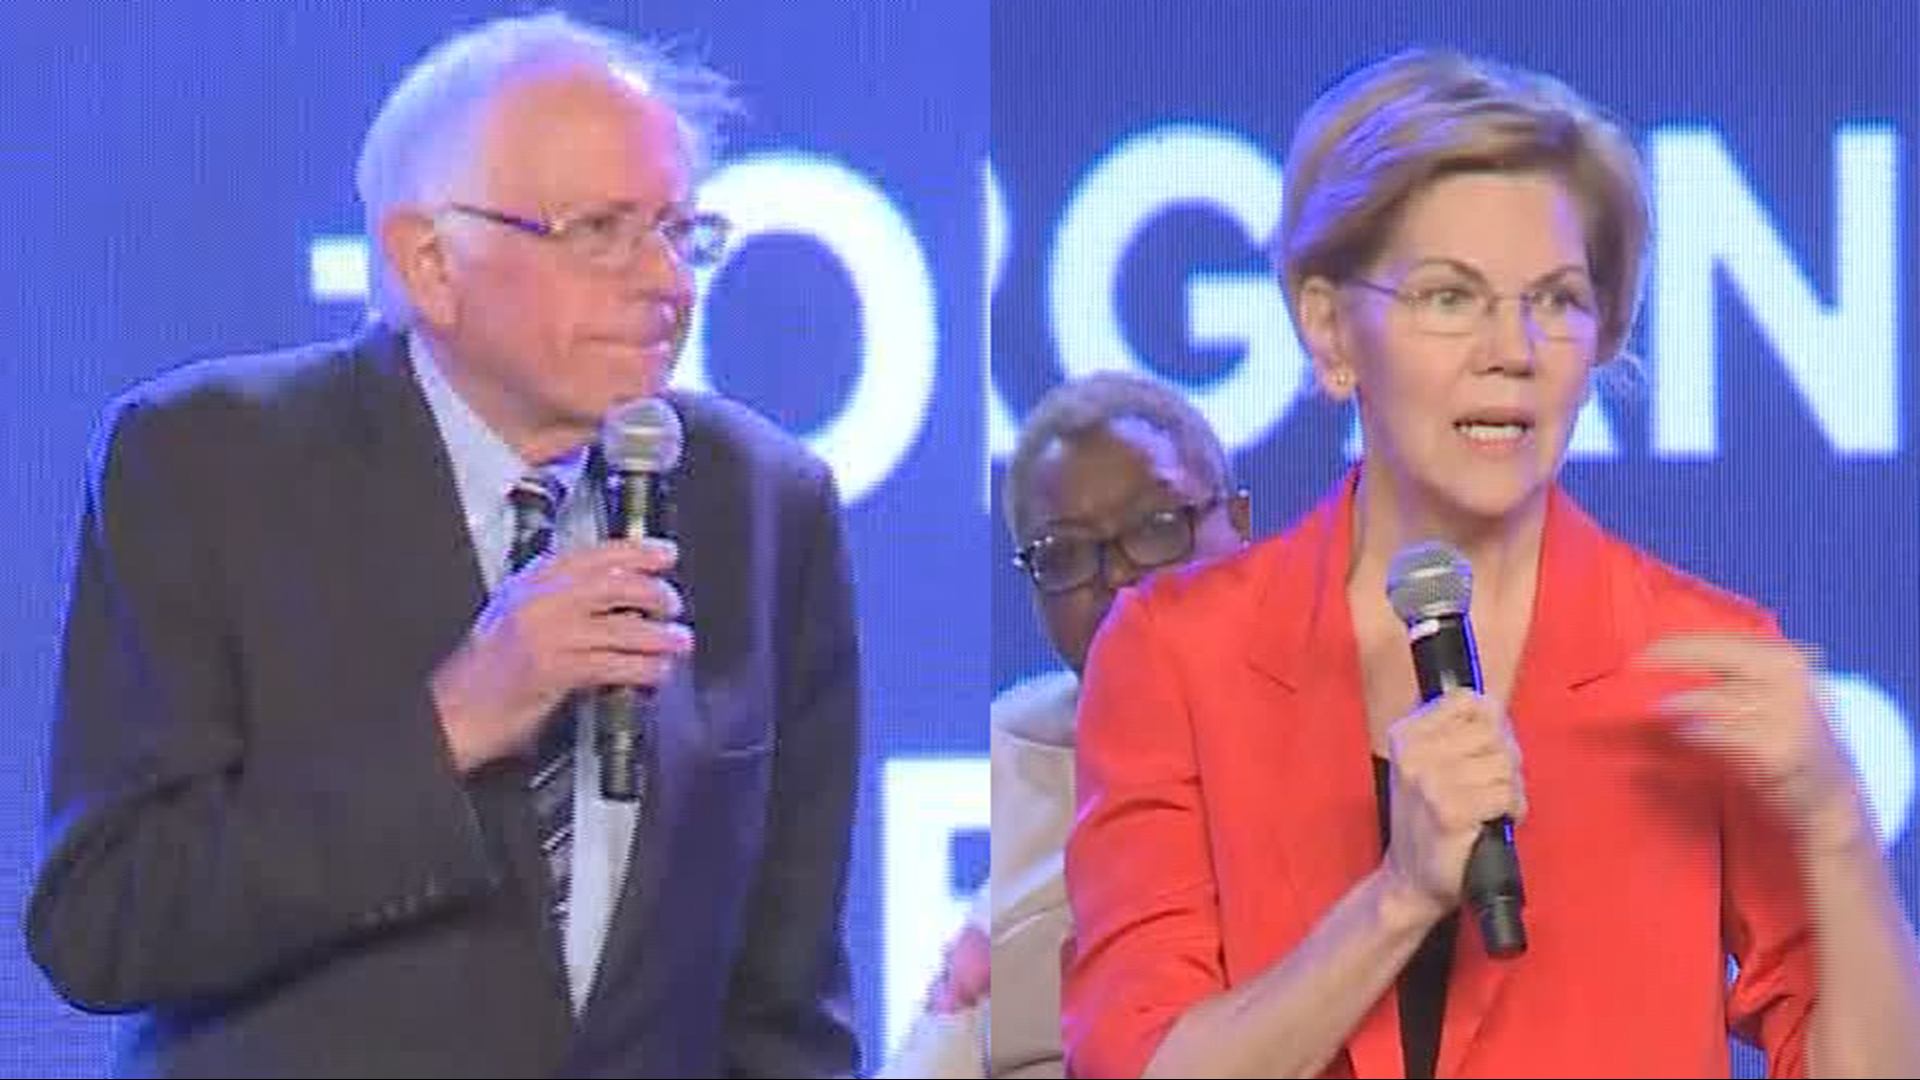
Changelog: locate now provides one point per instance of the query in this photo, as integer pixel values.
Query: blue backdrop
(177, 182)
(1136, 170)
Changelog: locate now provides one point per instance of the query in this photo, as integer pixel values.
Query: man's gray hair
(418, 145)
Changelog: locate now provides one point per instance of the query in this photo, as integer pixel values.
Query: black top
(1423, 982)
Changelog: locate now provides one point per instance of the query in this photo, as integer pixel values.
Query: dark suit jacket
(258, 843)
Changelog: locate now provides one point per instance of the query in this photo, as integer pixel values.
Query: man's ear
(416, 255)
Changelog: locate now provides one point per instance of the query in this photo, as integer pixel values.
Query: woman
(1114, 476)
(1461, 246)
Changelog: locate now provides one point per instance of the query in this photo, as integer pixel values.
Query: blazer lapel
(405, 475)
(1325, 819)
(1572, 641)
(674, 742)
(1311, 660)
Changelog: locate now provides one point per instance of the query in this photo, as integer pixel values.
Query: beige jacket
(1015, 1033)
(1031, 748)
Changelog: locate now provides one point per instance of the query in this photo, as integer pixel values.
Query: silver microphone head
(641, 436)
(1428, 580)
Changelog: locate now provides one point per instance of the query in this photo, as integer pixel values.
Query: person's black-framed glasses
(1060, 563)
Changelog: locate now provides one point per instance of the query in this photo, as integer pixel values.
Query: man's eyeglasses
(609, 238)
(1561, 312)
(1061, 564)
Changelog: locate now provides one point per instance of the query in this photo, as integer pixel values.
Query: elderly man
(323, 800)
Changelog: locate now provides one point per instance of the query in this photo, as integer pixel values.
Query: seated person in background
(1114, 476)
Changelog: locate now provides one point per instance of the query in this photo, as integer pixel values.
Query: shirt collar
(484, 466)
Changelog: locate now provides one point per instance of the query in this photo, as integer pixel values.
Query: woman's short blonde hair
(1386, 130)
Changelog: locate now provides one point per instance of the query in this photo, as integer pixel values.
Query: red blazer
(1227, 801)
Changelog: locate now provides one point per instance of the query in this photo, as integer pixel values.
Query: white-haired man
(322, 797)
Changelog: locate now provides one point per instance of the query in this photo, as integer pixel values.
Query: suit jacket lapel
(674, 734)
(406, 476)
(670, 738)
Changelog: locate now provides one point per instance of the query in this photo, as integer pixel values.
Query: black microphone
(639, 445)
(1430, 586)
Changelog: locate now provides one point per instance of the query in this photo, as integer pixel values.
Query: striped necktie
(536, 500)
